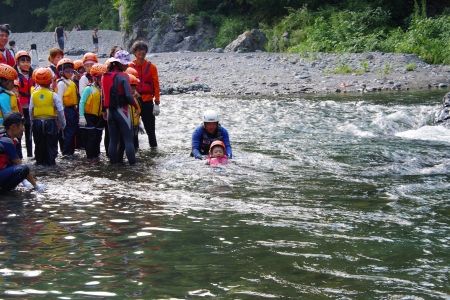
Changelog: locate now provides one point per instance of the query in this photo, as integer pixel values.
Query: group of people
(73, 102)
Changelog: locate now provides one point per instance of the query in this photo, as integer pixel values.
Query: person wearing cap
(117, 96)
(12, 170)
(148, 88)
(95, 38)
(6, 56)
(207, 133)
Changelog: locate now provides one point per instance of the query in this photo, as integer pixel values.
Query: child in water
(217, 154)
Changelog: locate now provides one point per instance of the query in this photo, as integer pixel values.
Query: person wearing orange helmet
(68, 92)
(26, 81)
(148, 88)
(8, 101)
(91, 117)
(217, 154)
(89, 59)
(45, 109)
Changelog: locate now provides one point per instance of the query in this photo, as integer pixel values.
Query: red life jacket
(9, 59)
(4, 158)
(24, 89)
(113, 94)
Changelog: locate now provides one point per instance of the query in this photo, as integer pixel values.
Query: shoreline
(262, 73)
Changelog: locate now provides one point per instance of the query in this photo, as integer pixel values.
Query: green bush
(229, 30)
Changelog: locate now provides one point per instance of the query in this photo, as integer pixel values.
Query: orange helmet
(16, 83)
(90, 57)
(132, 71)
(43, 76)
(98, 69)
(22, 53)
(7, 72)
(77, 64)
(133, 79)
(63, 62)
(216, 143)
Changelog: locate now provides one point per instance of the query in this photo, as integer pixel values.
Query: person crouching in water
(217, 154)
(91, 117)
(45, 107)
(67, 91)
(117, 96)
(12, 170)
(24, 69)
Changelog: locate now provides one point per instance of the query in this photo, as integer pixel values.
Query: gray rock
(248, 42)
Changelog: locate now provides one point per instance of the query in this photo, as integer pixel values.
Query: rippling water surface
(330, 197)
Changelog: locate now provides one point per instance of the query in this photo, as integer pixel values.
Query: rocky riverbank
(262, 73)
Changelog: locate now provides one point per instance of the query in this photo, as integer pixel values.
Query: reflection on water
(342, 197)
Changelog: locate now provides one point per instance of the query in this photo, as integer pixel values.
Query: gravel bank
(263, 73)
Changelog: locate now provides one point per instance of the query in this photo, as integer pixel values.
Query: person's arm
(196, 139)
(57, 104)
(54, 34)
(62, 87)
(65, 34)
(155, 82)
(84, 81)
(5, 103)
(128, 93)
(84, 96)
(226, 141)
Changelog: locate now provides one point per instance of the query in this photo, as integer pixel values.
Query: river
(327, 197)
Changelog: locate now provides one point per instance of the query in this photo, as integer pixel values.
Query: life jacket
(15, 106)
(217, 161)
(93, 103)
(207, 140)
(4, 158)
(43, 104)
(70, 97)
(145, 86)
(55, 71)
(25, 88)
(113, 93)
(134, 113)
(9, 59)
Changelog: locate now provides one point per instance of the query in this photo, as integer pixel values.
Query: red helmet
(216, 143)
(43, 76)
(22, 53)
(8, 72)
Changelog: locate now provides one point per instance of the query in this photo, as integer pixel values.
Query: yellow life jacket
(13, 102)
(70, 97)
(134, 114)
(42, 99)
(93, 103)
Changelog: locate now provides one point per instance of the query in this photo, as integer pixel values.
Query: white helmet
(210, 116)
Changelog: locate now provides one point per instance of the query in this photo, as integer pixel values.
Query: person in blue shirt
(12, 170)
(207, 133)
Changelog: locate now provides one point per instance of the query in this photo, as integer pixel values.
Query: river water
(328, 197)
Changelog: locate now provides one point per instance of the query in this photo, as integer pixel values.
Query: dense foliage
(410, 26)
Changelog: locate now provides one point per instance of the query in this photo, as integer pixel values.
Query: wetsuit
(117, 96)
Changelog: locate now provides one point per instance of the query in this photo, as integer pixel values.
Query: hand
(199, 157)
(40, 188)
(82, 121)
(27, 184)
(141, 129)
(156, 110)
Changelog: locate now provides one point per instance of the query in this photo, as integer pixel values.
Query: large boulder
(249, 41)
